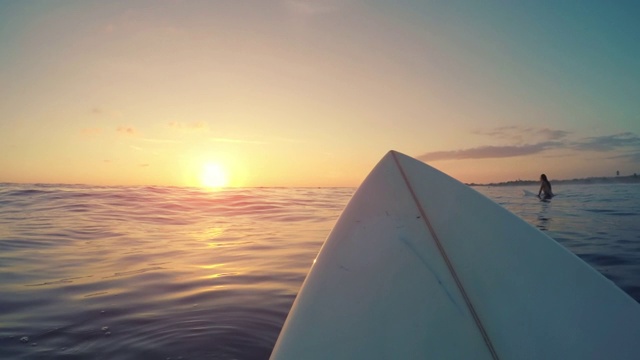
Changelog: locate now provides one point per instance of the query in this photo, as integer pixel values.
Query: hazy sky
(314, 93)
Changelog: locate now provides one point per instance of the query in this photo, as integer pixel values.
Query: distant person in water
(545, 188)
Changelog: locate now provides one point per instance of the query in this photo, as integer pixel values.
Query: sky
(314, 93)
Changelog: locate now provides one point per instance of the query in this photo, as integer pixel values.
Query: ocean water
(180, 273)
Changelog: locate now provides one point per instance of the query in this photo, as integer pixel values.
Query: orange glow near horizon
(132, 93)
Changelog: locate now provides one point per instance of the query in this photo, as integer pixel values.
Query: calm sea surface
(178, 273)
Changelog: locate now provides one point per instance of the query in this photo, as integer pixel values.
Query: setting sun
(214, 176)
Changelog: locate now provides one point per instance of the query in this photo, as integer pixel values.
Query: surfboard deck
(420, 265)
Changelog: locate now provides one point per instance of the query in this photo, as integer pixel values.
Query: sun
(214, 176)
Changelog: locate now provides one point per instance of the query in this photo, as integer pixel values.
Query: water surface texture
(177, 273)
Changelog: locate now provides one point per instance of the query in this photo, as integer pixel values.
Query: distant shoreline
(631, 179)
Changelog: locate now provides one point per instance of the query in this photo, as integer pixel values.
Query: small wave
(61, 281)
(135, 272)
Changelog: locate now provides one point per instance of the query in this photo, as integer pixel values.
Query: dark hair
(544, 178)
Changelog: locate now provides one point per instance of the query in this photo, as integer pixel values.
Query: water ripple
(153, 272)
(93, 272)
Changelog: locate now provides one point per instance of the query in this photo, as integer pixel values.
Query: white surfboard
(528, 193)
(421, 266)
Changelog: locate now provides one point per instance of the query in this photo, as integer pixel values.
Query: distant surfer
(545, 188)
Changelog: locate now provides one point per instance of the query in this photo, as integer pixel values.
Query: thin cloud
(635, 157)
(489, 152)
(627, 145)
(238, 141)
(126, 130)
(551, 134)
(610, 142)
(623, 145)
(521, 134)
(141, 149)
